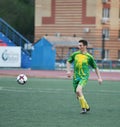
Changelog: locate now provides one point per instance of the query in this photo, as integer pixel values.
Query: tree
(20, 15)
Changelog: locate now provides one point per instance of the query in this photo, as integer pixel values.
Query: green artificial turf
(52, 103)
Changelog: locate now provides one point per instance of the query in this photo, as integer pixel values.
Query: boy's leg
(83, 103)
(80, 96)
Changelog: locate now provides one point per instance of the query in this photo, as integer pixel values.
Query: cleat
(88, 109)
(84, 111)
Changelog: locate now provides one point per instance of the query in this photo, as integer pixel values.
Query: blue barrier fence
(14, 36)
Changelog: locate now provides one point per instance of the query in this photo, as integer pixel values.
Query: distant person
(82, 60)
(2, 43)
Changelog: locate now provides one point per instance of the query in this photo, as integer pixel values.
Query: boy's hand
(69, 74)
(100, 81)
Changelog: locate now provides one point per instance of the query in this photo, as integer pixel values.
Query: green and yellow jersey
(82, 63)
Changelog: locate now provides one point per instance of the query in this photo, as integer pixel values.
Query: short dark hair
(84, 42)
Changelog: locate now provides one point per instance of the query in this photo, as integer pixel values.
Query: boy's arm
(68, 69)
(98, 75)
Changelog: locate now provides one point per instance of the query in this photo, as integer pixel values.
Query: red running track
(57, 74)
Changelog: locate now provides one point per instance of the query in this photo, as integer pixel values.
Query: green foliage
(20, 15)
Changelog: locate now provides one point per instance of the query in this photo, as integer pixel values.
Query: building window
(119, 54)
(119, 34)
(105, 31)
(106, 13)
(107, 54)
(119, 13)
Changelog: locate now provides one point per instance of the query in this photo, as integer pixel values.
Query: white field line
(49, 90)
(1, 88)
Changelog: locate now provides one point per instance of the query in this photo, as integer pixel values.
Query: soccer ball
(21, 79)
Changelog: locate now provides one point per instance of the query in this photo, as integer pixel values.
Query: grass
(52, 103)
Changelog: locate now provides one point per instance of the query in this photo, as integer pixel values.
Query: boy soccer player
(82, 60)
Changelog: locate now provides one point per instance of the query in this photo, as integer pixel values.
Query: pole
(103, 46)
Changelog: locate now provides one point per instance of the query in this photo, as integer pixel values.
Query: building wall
(81, 18)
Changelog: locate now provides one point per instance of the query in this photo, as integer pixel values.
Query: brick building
(89, 19)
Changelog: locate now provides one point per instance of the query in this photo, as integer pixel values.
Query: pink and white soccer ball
(22, 79)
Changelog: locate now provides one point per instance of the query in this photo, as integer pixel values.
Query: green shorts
(79, 81)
